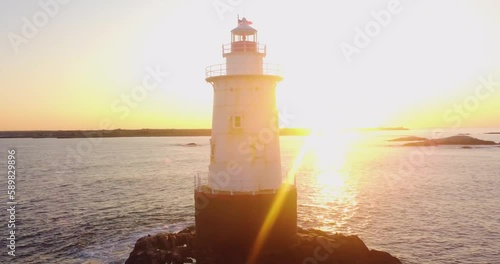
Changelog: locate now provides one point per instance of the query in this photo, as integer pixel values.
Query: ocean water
(423, 205)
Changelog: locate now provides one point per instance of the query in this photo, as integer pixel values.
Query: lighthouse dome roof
(244, 28)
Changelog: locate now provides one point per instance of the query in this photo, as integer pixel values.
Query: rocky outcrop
(409, 138)
(190, 145)
(164, 248)
(454, 140)
(310, 246)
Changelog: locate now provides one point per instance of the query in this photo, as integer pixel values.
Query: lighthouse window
(237, 121)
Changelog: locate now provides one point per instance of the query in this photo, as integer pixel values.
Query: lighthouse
(245, 202)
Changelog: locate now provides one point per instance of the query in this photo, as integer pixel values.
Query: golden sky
(421, 66)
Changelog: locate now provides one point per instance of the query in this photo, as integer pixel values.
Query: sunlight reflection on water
(333, 186)
(446, 211)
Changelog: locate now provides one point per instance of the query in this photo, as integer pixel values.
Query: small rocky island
(409, 138)
(310, 247)
(454, 140)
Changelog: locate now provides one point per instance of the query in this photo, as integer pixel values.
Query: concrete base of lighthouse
(231, 222)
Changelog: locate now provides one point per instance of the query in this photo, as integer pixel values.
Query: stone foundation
(225, 221)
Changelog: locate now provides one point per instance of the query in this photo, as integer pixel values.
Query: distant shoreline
(63, 134)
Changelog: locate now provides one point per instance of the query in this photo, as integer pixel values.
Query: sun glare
(332, 185)
(329, 151)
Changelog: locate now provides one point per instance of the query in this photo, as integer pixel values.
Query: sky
(131, 64)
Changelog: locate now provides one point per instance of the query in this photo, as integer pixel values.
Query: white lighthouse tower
(245, 177)
(245, 150)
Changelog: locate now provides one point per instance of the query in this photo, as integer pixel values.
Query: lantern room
(244, 37)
